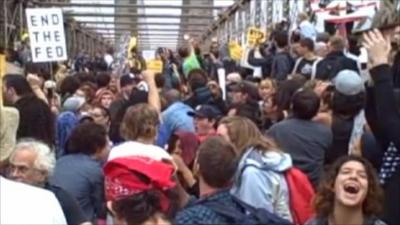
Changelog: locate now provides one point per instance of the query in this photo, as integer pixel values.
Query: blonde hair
(303, 16)
(244, 134)
(140, 121)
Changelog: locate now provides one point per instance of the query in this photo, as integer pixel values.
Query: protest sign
(155, 65)
(222, 81)
(235, 51)
(132, 44)
(255, 36)
(148, 54)
(46, 34)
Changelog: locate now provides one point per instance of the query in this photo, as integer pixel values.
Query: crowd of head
(313, 140)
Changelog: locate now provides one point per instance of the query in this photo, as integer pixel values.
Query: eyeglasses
(21, 169)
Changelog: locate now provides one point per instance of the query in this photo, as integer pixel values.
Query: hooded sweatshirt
(260, 181)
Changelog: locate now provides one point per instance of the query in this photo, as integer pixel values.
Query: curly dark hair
(325, 198)
(139, 208)
(36, 120)
(348, 105)
(86, 138)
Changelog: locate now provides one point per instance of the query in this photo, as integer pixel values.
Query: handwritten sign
(155, 65)
(132, 44)
(255, 36)
(46, 34)
(235, 51)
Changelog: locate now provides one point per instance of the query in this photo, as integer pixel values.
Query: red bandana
(121, 179)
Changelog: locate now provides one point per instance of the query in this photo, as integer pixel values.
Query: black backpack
(249, 215)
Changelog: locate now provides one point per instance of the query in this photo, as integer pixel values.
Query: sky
(152, 40)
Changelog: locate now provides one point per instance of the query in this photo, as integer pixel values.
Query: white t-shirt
(24, 204)
(133, 148)
(307, 30)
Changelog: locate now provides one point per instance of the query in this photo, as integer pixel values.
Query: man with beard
(213, 61)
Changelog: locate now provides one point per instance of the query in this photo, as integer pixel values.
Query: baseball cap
(348, 82)
(127, 79)
(205, 111)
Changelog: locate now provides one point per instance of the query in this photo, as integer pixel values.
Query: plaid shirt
(197, 213)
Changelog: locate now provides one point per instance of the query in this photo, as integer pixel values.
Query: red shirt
(203, 137)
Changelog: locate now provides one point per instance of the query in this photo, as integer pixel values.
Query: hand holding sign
(155, 65)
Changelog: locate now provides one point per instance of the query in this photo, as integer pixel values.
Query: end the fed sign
(46, 34)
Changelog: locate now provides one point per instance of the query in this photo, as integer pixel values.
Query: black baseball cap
(127, 79)
(206, 111)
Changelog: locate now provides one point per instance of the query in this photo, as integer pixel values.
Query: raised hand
(378, 48)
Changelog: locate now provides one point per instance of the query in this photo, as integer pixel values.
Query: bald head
(172, 96)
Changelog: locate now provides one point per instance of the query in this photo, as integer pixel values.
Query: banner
(46, 34)
(121, 55)
(155, 65)
(255, 36)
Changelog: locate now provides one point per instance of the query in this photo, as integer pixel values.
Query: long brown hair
(325, 197)
(244, 134)
(140, 121)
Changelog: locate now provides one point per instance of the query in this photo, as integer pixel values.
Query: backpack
(248, 216)
(301, 194)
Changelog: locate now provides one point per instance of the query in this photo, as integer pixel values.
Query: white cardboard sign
(46, 34)
(222, 82)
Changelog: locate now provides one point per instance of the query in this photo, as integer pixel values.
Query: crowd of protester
(314, 140)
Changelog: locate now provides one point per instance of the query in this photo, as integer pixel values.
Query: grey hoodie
(260, 181)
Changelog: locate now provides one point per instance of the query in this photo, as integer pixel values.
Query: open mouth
(351, 188)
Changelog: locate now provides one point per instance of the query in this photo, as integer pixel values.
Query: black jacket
(396, 70)
(333, 63)
(265, 63)
(384, 119)
(202, 96)
(282, 65)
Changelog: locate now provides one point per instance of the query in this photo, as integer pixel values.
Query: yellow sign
(235, 51)
(155, 65)
(132, 44)
(2, 73)
(255, 36)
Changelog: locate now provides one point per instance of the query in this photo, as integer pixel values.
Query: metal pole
(135, 6)
(134, 15)
(5, 24)
(162, 30)
(21, 16)
(142, 23)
